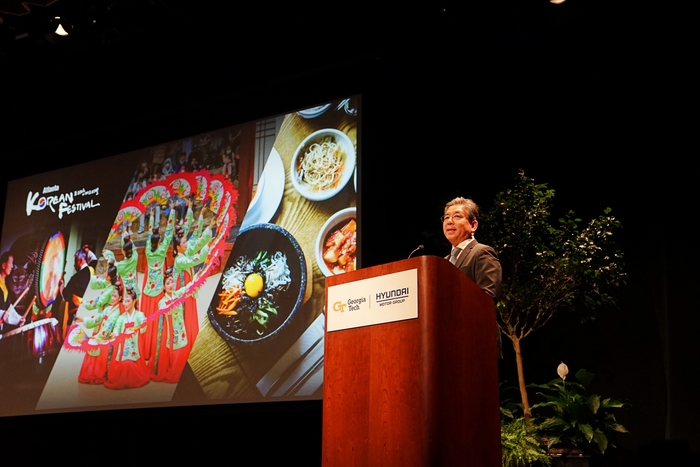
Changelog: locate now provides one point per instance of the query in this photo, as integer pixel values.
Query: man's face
(20, 280)
(7, 266)
(456, 225)
(78, 263)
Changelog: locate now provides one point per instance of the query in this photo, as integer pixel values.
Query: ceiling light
(59, 30)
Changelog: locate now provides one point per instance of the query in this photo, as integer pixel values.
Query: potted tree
(574, 423)
(548, 267)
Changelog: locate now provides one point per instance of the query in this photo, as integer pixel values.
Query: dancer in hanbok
(174, 341)
(109, 307)
(178, 328)
(128, 367)
(156, 252)
(127, 266)
(189, 254)
(200, 236)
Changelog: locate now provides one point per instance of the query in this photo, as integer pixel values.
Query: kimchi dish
(340, 247)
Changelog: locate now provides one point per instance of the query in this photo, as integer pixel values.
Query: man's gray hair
(470, 206)
(80, 254)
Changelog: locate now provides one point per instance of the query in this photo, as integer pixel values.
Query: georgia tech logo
(353, 304)
(33, 204)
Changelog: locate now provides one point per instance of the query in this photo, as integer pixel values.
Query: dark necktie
(455, 253)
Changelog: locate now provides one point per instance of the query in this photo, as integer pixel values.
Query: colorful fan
(181, 184)
(153, 193)
(216, 193)
(202, 183)
(128, 212)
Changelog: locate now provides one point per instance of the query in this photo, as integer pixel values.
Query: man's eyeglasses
(455, 218)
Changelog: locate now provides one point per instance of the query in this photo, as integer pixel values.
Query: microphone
(420, 247)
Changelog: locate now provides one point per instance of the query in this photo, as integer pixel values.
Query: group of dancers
(135, 341)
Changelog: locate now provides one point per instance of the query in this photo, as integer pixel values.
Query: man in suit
(477, 261)
(73, 292)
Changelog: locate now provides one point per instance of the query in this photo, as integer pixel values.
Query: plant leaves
(586, 430)
(573, 417)
(521, 444)
(554, 421)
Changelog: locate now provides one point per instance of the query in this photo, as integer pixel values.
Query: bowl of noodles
(323, 164)
(264, 283)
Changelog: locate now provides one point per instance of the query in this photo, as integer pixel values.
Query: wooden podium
(417, 392)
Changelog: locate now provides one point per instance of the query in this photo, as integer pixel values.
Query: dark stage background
(455, 101)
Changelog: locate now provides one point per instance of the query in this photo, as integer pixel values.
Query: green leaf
(600, 440)
(586, 430)
(552, 441)
(612, 403)
(594, 402)
(619, 428)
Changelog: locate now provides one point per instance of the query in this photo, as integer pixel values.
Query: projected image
(143, 280)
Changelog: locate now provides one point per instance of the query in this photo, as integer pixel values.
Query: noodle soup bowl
(323, 164)
(250, 242)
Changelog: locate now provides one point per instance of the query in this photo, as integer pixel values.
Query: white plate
(340, 217)
(313, 112)
(348, 148)
(269, 193)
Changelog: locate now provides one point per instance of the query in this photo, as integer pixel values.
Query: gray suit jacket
(480, 263)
